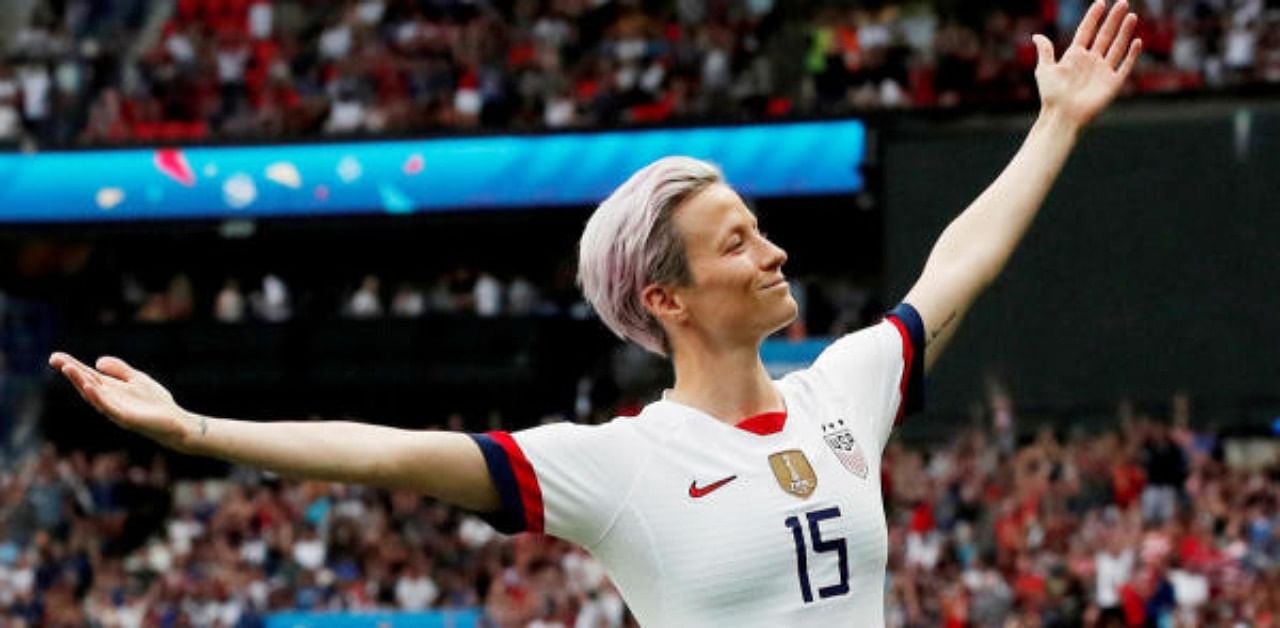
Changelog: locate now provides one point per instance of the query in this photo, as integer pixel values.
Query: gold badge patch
(794, 473)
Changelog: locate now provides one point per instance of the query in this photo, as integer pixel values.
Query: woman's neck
(728, 385)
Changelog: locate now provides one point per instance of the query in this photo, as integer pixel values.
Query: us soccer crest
(845, 447)
(794, 473)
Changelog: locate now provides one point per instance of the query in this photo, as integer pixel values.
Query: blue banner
(379, 619)
(783, 356)
(407, 176)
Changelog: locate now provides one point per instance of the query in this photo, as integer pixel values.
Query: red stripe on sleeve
(526, 480)
(908, 355)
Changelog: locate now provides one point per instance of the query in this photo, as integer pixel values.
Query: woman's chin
(786, 315)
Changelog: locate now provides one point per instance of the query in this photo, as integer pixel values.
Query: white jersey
(777, 521)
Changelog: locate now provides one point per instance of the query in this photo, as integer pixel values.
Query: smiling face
(738, 294)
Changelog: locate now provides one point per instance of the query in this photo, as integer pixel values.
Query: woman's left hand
(1092, 70)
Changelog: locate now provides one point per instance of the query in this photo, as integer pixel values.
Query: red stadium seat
(264, 52)
(522, 55)
(173, 131)
(652, 112)
(188, 9)
(197, 130)
(145, 131)
(1159, 81)
(779, 106)
(921, 80)
(118, 132)
(229, 25)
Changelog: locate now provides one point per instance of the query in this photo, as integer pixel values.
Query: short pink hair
(631, 242)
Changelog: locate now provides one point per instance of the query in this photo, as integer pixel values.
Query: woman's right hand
(128, 397)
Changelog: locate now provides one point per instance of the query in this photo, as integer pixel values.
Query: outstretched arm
(447, 466)
(974, 248)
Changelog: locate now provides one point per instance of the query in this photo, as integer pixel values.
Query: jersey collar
(760, 424)
(764, 424)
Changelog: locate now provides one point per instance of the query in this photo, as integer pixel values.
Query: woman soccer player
(735, 499)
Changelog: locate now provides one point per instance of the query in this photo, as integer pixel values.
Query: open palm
(1094, 67)
(125, 395)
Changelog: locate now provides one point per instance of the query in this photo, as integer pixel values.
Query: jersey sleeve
(877, 372)
(563, 479)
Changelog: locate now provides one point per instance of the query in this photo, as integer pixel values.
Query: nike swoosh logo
(696, 491)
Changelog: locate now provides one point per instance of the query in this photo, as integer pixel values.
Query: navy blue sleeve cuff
(913, 393)
(510, 518)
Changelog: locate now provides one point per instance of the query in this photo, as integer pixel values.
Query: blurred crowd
(95, 540)
(1149, 523)
(461, 291)
(76, 71)
(829, 305)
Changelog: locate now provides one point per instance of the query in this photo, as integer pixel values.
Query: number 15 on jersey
(820, 546)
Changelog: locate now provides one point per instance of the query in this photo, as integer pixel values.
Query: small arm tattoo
(937, 331)
(203, 424)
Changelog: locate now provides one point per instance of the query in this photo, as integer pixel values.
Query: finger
(1109, 28)
(1115, 54)
(63, 360)
(89, 391)
(1135, 50)
(79, 378)
(58, 358)
(1044, 48)
(117, 368)
(1089, 25)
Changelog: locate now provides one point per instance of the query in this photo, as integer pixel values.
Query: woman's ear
(664, 303)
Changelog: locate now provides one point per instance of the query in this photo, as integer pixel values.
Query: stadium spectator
(408, 302)
(366, 302)
(487, 296)
(229, 305)
(1165, 466)
(522, 297)
(10, 120)
(415, 590)
(1113, 567)
(272, 303)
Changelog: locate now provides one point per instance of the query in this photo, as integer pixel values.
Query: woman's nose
(775, 256)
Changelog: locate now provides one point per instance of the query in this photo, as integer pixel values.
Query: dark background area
(1152, 267)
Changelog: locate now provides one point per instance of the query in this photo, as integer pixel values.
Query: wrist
(1054, 120)
(193, 430)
